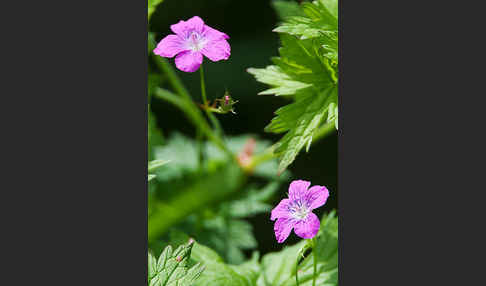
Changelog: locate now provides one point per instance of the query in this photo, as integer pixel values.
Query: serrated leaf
(171, 269)
(274, 76)
(301, 119)
(151, 177)
(319, 23)
(307, 70)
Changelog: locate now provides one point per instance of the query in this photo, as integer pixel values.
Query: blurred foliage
(152, 4)
(206, 185)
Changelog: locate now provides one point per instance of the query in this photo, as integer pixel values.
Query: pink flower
(191, 41)
(296, 211)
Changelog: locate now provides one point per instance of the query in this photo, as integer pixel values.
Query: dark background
(249, 25)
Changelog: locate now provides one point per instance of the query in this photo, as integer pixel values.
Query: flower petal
(183, 28)
(298, 189)
(281, 210)
(169, 46)
(317, 196)
(217, 50)
(308, 227)
(282, 228)
(213, 34)
(188, 61)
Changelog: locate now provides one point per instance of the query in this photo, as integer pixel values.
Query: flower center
(195, 42)
(299, 210)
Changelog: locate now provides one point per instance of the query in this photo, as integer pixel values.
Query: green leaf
(319, 23)
(155, 164)
(216, 272)
(251, 269)
(151, 7)
(171, 269)
(286, 9)
(181, 152)
(301, 119)
(279, 266)
(274, 76)
(306, 70)
(220, 274)
(203, 253)
(254, 201)
(326, 252)
(332, 6)
(229, 237)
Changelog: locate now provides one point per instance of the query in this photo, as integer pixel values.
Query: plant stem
(212, 118)
(297, 270)
(203, 85)
(174, 80)
(315, 261)
(194, 115)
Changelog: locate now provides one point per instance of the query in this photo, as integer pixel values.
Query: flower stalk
(212, 118)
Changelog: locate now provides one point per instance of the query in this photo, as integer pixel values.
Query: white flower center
(195, 42)
(299, 210)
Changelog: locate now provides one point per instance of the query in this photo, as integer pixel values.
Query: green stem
(315, 261)
(297, 270)
(203, 85)
(174, 80)
(212, 118)
(194, 115)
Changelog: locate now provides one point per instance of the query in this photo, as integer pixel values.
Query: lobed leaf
(171, 269)
(306, 70)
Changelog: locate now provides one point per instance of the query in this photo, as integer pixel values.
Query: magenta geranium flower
(191, 41)
(296, 211)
